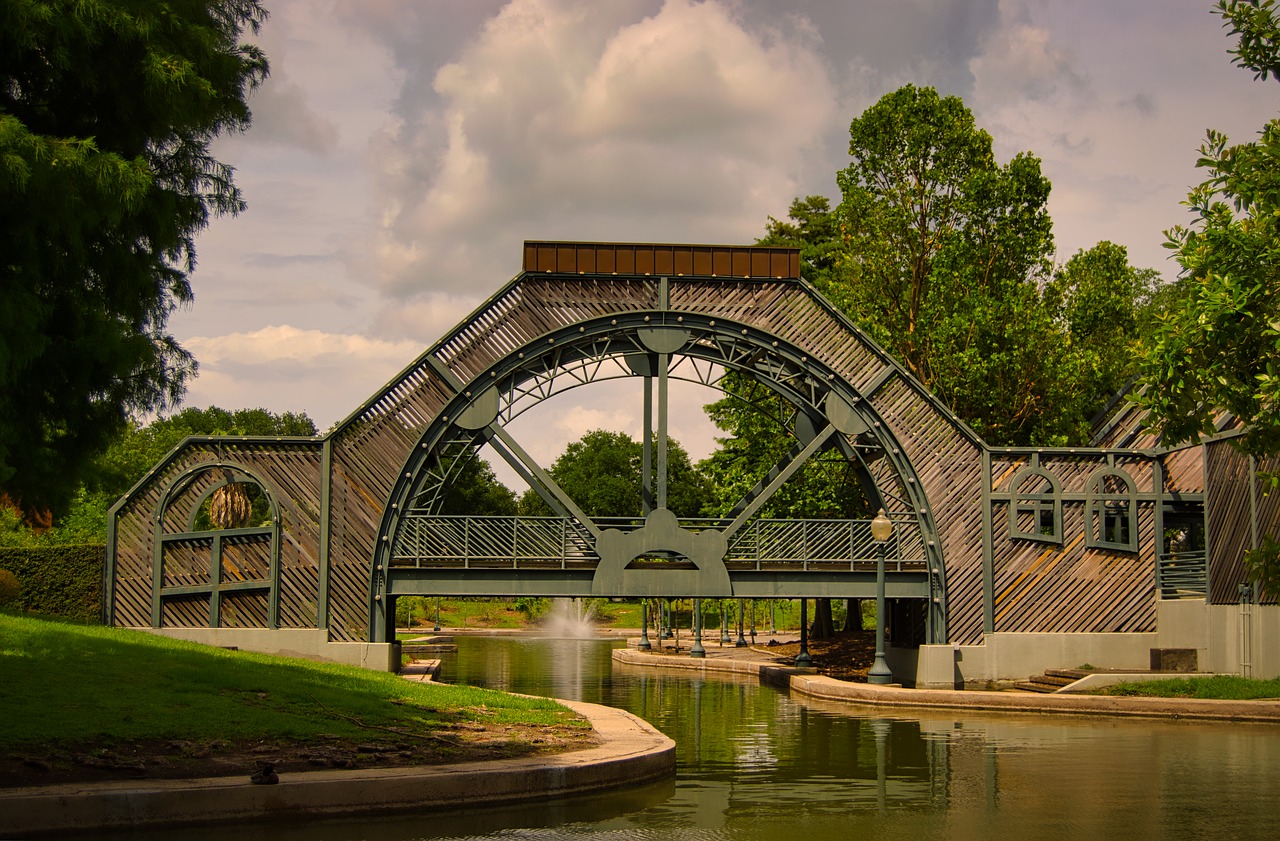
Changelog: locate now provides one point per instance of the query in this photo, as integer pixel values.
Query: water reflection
(755, 764)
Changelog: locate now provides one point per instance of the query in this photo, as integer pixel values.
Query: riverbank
(630, 752)
(764, 665)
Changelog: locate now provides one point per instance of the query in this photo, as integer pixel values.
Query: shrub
(63, 581)
(9, 587)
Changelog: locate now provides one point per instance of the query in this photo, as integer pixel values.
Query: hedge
(61, 581)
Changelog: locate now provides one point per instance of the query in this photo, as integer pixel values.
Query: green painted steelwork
(651, 345)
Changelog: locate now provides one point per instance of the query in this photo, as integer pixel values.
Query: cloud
(284, 368)
(577, 120)
(1020, 61)
(283, 116)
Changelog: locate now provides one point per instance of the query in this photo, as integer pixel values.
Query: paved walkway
(769, 669)
(631, 752)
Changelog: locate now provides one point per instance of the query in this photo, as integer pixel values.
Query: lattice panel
(1229, 520)
(184, 612)
(1071, 589)
(950, 469)
(1184, 470)
(244, 610)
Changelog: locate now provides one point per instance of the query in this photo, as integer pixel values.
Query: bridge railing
(489, 542)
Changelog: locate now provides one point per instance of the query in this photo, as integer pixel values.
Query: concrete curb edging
(807, 682)
(632, 752)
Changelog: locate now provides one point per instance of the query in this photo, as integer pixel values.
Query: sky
(402, 150)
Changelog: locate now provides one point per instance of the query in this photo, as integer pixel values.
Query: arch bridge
(354, 517)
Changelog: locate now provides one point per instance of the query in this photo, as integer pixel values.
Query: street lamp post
(803, 658)
(881, 529)
(644, 644)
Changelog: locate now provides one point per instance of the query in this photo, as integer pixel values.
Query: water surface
(755, 764)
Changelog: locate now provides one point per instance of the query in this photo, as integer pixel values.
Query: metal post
(742, 641)
(724, 625)
(881, 528)
(803, 658)
(697, 650)
(644, 644)
(753, 622)
(437, 627)
(666, 620)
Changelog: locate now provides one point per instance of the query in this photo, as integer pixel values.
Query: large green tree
(1220, 350)
(943, 253)
(944, 256)
(601, 473)
(107, 110)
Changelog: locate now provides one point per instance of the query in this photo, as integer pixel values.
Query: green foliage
(601, 473)
(1225, 687)
(943, 256)
(757, 422)
(10, 589)
(1258, 45)
(63, 581)
(1104, 306)
(115, 685)
(1221, 350)
(1262, 565)
(107, 110)
(474, 489)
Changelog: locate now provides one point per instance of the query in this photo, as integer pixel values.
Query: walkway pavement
(631, 752)
(771, 669)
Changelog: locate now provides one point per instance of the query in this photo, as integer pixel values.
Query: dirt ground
(167, 759)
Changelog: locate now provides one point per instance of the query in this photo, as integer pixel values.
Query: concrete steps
(1051, 681)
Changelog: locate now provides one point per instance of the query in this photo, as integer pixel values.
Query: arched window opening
(1035, 509)
(1112, 511)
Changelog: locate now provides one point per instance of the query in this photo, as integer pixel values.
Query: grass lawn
(71, 692)
(1224, 687)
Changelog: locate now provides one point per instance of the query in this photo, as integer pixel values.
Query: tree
(601, 473)
(1220, 351)
(474, 489)
(107, 110)
(133, 453)
(1104, 306)
(943, 255)
(756, 421)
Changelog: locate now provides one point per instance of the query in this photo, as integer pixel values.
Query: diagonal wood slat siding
(290, 471)
(950, 469)
(1228, 515)
(1037, 587)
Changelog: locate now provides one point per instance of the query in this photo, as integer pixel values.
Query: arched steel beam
(479, 407)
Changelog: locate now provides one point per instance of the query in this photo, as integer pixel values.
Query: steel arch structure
(420, 552)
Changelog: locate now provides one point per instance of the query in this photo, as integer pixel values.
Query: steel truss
(421, 551)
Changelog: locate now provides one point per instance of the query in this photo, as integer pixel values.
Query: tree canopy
(129, 457)
(107, 110)
(601, 473)
(944, 256)
(1220, 350)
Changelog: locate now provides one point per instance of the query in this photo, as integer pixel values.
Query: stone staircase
(1051, 681)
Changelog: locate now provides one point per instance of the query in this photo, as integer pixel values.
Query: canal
(756, 763)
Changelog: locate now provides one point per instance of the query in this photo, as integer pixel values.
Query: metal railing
(471, 542)
(1183, 574)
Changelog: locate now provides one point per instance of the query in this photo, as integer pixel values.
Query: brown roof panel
(672, 260)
